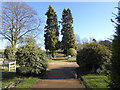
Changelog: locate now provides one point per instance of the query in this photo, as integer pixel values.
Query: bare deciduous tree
(77, 37)
(18, 19)
(78, 42)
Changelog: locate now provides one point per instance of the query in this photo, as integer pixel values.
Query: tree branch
(6, 36)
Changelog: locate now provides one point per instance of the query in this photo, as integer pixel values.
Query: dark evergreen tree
(9, 53)
(31, 59)
(115, 62)
(68, 39)
(106, 43)
(51, 30)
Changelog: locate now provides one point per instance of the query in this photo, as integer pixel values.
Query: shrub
(32, 59)
(106, 43)
(71, 52)
(94, 57)
(9, 52)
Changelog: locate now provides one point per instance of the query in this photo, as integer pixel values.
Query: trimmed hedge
(93, 58)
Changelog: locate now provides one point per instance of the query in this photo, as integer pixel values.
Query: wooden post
(15, 66)
(8, 66)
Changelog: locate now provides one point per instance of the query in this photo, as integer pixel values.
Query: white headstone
(69, 56)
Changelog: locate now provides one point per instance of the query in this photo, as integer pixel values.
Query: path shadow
(60, 73)
(59, 56)
(70, 61)
(59, 59)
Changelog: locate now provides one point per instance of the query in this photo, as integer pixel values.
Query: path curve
(59, 74)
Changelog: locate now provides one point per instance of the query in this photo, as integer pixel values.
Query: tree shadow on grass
(83, 71)
(8, 75)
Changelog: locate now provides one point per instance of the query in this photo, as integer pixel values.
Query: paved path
(59, 74)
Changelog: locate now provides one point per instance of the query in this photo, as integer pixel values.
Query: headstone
(69, 56)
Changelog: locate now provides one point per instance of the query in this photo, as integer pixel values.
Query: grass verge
(10, 77)
(50, 60)
(27, 82)
(95, 81)
(71, 59)
(53, 59)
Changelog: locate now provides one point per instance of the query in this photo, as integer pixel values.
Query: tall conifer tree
(68, 39)
(51, 30)
(115, 62)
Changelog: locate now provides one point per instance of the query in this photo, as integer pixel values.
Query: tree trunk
(13, 44)
(65, 52)
(53, 53)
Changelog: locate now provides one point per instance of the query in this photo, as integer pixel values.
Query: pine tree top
(50, 11)
(64, 10)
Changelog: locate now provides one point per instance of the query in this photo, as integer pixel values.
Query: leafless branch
(18, 19)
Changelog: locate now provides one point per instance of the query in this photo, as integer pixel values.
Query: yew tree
(115, 62)
(51, 30)
(68, 39)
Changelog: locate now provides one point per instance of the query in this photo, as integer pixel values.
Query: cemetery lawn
(95, 81)
(10, 77)
(50, 60)
(71, 59)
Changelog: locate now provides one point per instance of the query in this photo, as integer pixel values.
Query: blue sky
(91, 19)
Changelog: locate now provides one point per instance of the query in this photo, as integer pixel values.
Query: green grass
(10, 77)
(27, 82)
(70, 59)
(95, 81)
(50, 60)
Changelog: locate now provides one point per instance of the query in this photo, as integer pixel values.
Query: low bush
(94, 58)
(9, 52)
(71, 52)
(32, 59)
